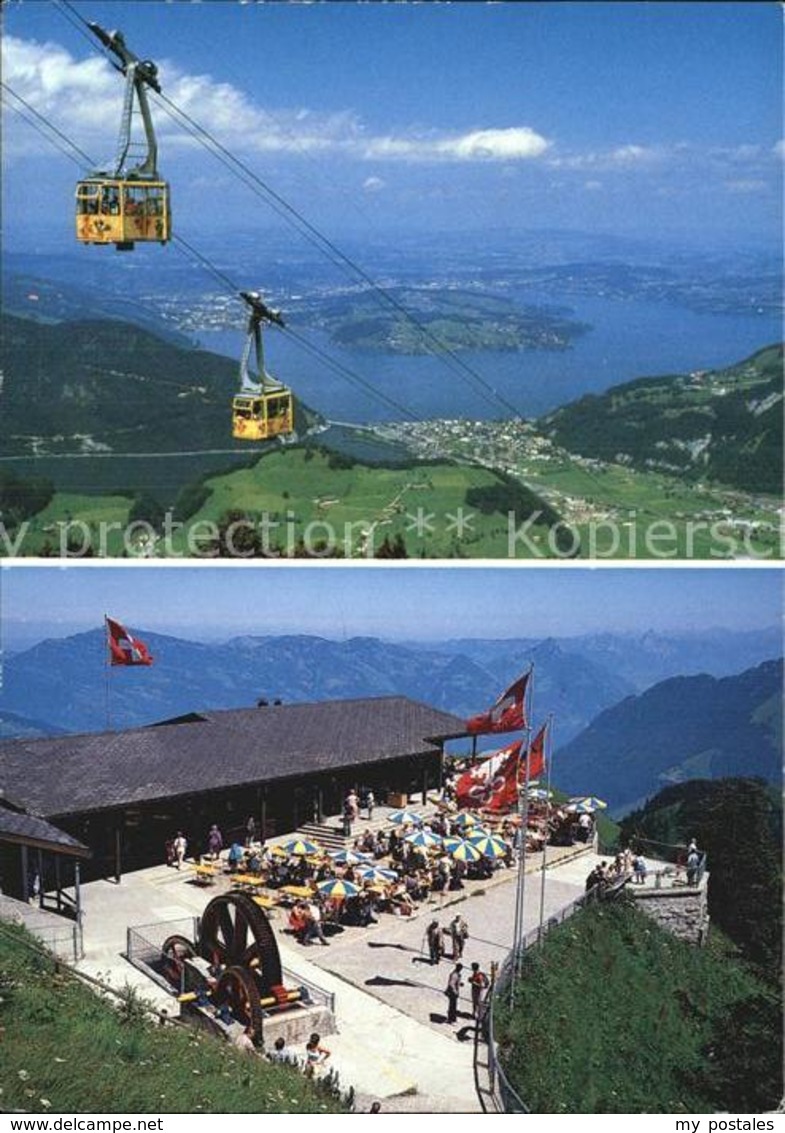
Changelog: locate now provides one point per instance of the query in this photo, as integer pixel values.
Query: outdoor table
(247, 880)
(266, 903)
(205, 874)
(299, 892)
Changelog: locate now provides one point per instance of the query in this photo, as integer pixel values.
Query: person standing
(479, 984)
(370, 803)
(452, 991)
(459, 934)
(250, 831)
(315, 1054)
(215, 842)
(433, 934)
(180, 846)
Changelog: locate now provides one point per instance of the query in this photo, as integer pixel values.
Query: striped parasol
(404, 818)
(378, 873)
(301, 847)
(424, 838)
(350, 857)
(337, 889)
(465, 819)
(452, 843)
(466, 852)
(489, 846)
(586, 805)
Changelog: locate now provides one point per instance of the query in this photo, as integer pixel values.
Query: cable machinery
(264, 408)
(131, 202)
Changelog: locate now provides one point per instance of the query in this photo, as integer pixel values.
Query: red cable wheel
(238, 990)
(175, 951)
(235, 932)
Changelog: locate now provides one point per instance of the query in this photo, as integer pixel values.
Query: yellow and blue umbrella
(586, 805)
(488, 845)
(337, 889)
(423, 838)
(404, 818)
(301, 847)
(465, 819)
(451, 843)
(466, 852)
(350, 857)
(378, 873)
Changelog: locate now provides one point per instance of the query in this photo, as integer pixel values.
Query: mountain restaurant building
(123, 795)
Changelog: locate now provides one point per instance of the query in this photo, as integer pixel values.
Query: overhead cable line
(317, 239)
(42, 124)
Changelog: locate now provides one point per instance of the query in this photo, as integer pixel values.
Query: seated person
(299, 921)
(400, 899)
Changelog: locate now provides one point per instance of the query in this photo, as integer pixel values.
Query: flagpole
(107, 667)
(549, 760)
(523, 813)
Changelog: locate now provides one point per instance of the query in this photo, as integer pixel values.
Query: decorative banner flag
(124, 649)
(479, 784)
(508, 714)
(536, 755)
(512, 777)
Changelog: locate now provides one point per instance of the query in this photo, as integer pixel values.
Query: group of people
(632, 864)
(176, 848)
(458, 933)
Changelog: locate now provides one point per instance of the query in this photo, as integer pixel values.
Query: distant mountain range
(63, 684)
(16, 727)
(64, 681)
(642, 659)
(723, 425)
(683, 728)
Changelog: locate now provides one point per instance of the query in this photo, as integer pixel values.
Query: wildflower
(24, 1075)
(45, 1103)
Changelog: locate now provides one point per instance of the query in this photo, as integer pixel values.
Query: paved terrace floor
(393, 1042)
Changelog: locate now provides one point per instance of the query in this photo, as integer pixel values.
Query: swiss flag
(477, 786)
(536, 755)
(123, 648)
(508, 714)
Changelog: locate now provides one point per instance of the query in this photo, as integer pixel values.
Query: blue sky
(630, 117)
(407, 603)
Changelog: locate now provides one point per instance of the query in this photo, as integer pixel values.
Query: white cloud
(778, 149)
(622, 157)
(84, 100)
(374, 184)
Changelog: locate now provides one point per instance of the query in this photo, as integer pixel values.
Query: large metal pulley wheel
(236, 933)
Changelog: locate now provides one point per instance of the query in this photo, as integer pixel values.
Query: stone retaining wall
(683, 912)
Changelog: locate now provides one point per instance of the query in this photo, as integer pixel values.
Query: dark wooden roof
(72, 774)
(27, 830)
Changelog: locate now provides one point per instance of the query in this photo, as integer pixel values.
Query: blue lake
(628, 339)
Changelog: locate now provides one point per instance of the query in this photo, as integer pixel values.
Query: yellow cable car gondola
(126, 205)
(264, 408)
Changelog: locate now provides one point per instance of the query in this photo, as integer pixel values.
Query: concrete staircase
(329, 833)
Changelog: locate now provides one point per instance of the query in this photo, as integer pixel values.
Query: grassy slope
(288, 484)
(636, 500)
(614, 1015)
(68, 1050)
(735, 414)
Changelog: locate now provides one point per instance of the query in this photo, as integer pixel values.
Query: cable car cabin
(112, 211)
(261, 416)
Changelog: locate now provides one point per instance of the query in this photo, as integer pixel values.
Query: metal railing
(62, 937)
(503, 1095)
(144, 949)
